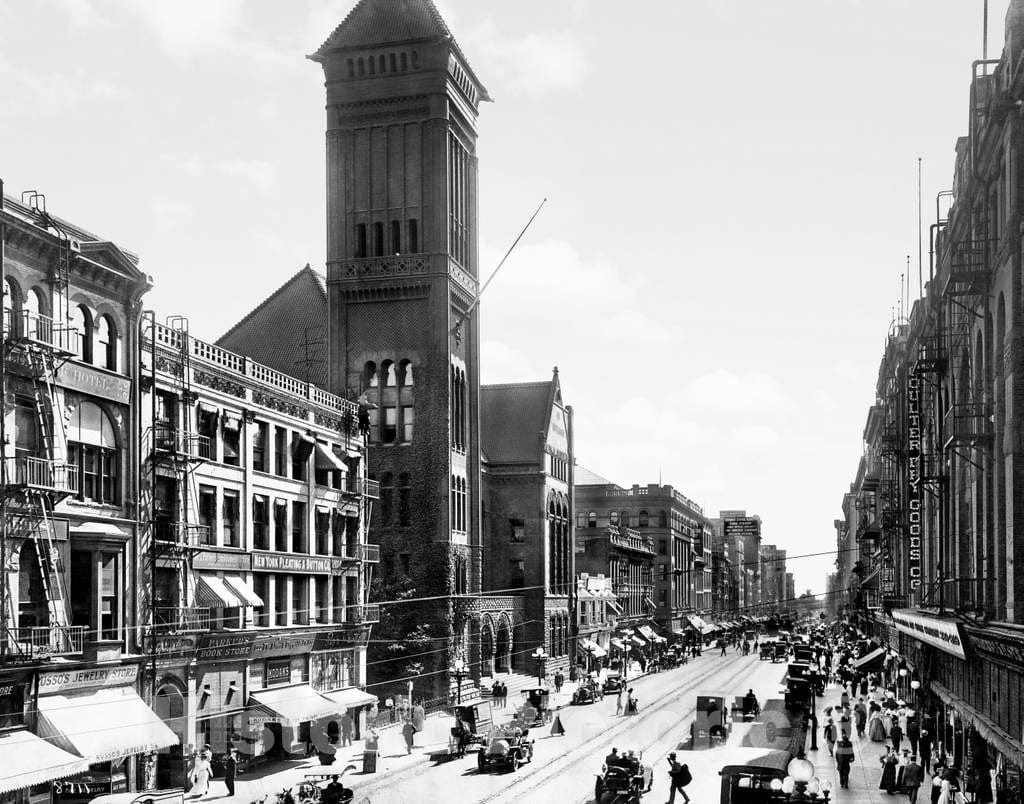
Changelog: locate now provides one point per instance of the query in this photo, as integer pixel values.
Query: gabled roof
(371, 23)
(277, 332)
(515, 417)
(582, 476)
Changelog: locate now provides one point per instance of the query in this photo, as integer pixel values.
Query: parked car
(613, 683)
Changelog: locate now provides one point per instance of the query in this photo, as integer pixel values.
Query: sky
(731, 184)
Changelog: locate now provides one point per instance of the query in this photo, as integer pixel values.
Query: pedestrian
(844, 723)
(913, 734)
(557, 729)
(860, 717)
(230, 769)
(888, 780)
(679, 776)
(631, 702)
(504, 694)
(409, 733)
(419, 716)
(844, 756)
(829, 734)
(620, 700)
(346, 729)
(912, 778)
(201, 773)
(496, 693)
(896, 735)
(844, 699)
(876, 731)
(924, 744)
(721, 644)
(559, 680)
(938, 769)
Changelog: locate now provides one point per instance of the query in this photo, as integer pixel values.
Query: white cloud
(503, 363)
(724, 390)
(30, 92)
(184, 27)
(536, 64)
(262, 175)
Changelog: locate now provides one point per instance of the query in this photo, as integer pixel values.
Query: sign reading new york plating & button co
(940, 633)
(87, 678)
(287, 562)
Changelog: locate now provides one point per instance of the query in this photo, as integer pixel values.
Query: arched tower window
(388, 372)
(405, 373)
(106, 342)
(370, 375)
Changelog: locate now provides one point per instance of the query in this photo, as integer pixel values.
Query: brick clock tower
(402, 275)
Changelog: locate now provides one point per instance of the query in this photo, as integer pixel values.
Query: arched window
(662, 519)
(362, 67)
(370, 375)
(613, 518)
(382, 62)
(405, 374)
(81, 321)
(94, 455)
(592, 519)
(12, 301)
(643, 519)
(106, 342)
(389, 373)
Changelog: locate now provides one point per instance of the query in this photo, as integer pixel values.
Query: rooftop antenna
(984, 34)
(457, 329)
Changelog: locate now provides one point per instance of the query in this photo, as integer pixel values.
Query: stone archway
(487, 647)
(503, 647)
(170, 705)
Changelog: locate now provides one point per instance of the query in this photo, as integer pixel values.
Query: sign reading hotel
(914, 496)
(95, 382)
(942, 634)
(286, 562)
(90, 678)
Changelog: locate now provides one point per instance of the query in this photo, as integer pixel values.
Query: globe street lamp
(540, 655)
(460, 671)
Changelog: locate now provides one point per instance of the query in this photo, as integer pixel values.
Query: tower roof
(372, 23)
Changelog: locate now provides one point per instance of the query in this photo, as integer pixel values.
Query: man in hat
(913, 775)
(677, 775)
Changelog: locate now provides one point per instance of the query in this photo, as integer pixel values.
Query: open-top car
(623, 782)
(588, 692)
(507, 749)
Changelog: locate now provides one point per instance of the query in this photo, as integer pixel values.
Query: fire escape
(36, 474)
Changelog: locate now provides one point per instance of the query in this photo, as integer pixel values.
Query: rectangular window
(517, 573)
(373, 418)
(300, 599)
(408, 419)
(166, 408)
(323, 531)
(230, 510)
(299, 543)
(109, 619)
(378, 239)
(360, 240)
(396, 237)
(259, 446)
(300, 457)
(281, 451)
(207, 430)
(389, 429)
(281, 595)
(414, 235)
(260, 522)
(337, 533)
(320, 594)
(208, 514)
(404, 562)
(261, 586)
(281, 526)
(518, 530)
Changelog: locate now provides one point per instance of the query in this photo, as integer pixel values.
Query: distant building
(597, 614)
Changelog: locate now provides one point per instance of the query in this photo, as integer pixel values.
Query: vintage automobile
(711, 724)
(622, 783)
(472, 727)
(613, 683)
(799, 693)
(535, 710)
(767, 650)
(588, 692)
(804, 653)
(780, 652)
(508, 749)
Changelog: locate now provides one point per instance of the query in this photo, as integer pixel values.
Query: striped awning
(30, 760)
(214, 592)
(243, 591)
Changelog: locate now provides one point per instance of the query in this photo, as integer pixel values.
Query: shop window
(260, 522)
(106, 342)
(231, 512)
(259, 446)
(208, 513)
(281, 525)
(231, 433)
(299, 542)
(93, 454)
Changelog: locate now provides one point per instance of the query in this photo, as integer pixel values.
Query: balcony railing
(170, 439)
(181, 534)
(968, 425)
(39, 641)
(41, 474)
(24, 325)
(370, 553)
(180, 619)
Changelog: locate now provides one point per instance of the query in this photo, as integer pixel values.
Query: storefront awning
(103, 725)
(984, 725)
(637, 640)
(212, 591)
(350, 698)
(645, 630)
(30, 760)
(290, 705)
(870, 660)
(695, 621)
(597, 651)
(709, 628)
(326, 459)
(618, 643)
(615, 607)
(243, 591)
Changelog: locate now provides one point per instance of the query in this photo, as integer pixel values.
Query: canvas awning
(243, 591)
(637, 640)
(350, 698)
(869, 660)
(695, 621)
(646, 631)
(618, 643)
(30, 760)
(709, 628)
(214, 592)
(103, 725)
(597, 651)
(327, 460)
(290, 705)
(615, 607)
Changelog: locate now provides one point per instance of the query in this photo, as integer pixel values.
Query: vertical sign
(914, 480)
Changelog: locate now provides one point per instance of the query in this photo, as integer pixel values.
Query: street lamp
(540, 655)
(459, 670)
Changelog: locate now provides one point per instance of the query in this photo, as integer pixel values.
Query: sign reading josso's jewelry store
(942, 634)
(914, 496)
(89, 678)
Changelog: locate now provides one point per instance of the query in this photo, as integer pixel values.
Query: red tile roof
(288, 325)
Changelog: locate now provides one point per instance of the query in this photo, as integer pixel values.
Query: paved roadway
(564, 768)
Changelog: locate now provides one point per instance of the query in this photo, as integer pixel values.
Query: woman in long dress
(876, 731)
(888, 780)
(201, 774)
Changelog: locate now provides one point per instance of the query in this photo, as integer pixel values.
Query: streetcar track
(543, 773)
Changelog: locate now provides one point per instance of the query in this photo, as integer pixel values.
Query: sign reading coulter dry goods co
(942, 634)
(914, 497)
(88, 678)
